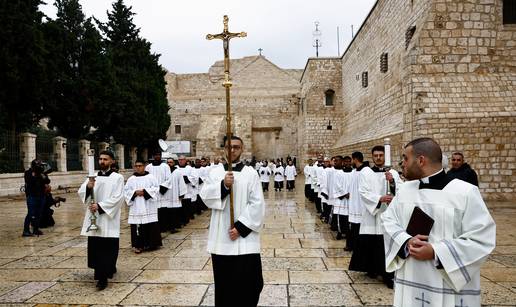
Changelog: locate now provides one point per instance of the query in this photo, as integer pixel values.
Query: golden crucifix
(225, 36)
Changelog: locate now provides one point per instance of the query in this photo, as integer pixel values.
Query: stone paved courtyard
(303, 264)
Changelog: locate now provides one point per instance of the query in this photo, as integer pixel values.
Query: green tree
(23, 76)
(80, 70)
(138, 108)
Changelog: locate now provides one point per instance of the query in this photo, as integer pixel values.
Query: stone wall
(263, 97)
(314, 137)
(454, 80)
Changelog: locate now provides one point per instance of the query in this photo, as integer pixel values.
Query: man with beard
(462, 170)
(439, 263)
(369, 254)
(235, 250)
(104, 197)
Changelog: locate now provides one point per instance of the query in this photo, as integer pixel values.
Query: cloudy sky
(282, 28)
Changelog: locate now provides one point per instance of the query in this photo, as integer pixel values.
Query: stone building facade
(264, 104)
(451, 75)
(438, 68)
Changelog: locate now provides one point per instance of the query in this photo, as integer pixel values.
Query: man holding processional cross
(235, 196)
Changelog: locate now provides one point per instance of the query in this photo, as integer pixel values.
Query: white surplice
(354, 201)
(162, 173)
(290, 172)
(372, 186)
(108, 192)
(141, 210)
(279, 174)
(308, 174)
(249, 209)
(463, 235)
(265, 173)
(341, 183)
(176, 188)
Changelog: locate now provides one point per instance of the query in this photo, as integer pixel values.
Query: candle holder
(91, 175)
(388, 163)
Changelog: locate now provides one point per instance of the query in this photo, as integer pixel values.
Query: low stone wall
(11, 184)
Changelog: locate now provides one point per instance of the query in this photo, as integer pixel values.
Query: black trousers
(318, 205)
(102, 256)
(354, 229)
(165, 224)
(265, 186)
(308, 188)
(326, 211)
(146, 236)
(343, 225)
(186, 204)
(278, 185)
(238, 280)
(291, 184)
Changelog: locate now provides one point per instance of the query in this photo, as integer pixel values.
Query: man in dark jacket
(36, 183)
(461, 170)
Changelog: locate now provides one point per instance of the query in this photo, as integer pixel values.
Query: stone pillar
(60, 153)
(133, 154)
(27, 148)
(102, 146)
(119, 155)
(84, 145)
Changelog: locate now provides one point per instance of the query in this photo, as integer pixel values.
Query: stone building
(444, 69)
(264, 102)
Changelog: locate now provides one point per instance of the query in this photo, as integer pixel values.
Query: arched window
(329, 97)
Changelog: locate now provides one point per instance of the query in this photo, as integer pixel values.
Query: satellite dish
(163, 145)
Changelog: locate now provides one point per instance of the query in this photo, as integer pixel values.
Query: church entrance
(265, 144)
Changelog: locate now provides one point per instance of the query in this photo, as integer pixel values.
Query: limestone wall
(454, 81)
(314, 137)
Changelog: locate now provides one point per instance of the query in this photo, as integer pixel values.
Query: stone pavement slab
(303, 264)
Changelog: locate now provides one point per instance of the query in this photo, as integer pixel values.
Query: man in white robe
(369, 253)
(185, 171)
(327, 192)
(161, 171)
(174, 189)
(322, 195)
(443, 268)
(104, 197)
(141, 192)
(235, 250)
(279, 177)
(355, 202)
(307, 171)
(265, 175)
(341, 183)
(290, 175)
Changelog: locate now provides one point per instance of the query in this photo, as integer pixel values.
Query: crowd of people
(424, 231)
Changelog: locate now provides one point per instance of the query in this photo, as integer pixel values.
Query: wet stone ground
(303, 263)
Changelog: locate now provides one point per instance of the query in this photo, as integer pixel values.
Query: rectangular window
(509, 12)
(178, 129)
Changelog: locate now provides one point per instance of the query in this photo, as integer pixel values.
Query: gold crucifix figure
(225, 36)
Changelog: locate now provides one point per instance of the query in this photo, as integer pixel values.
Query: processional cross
(225, 36)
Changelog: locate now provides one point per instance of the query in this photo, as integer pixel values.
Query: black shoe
(102, 284)
(27, 234)
(174, 231)
(371, 275)
(339, 236)
(348, 249)
(37, 232)
(389, 283)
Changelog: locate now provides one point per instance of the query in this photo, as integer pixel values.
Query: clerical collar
(364, 164)
(105, 174)
(378, 169)
(347, 169)
(436, 181)
(140, 175)
(237, 167)
(182, 166)
(156, 163)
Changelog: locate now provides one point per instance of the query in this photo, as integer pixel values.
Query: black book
(420, 223)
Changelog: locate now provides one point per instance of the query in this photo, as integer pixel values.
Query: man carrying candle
(103, 196)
